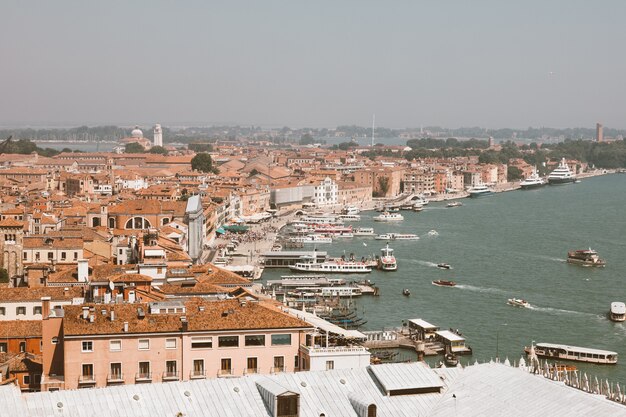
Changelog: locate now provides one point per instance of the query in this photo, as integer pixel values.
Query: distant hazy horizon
(313, 64)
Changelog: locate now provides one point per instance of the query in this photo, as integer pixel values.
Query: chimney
(184, 323)
(112, 315)
(85, 312)
(66, 291)
(83, 270)
(45, 307)
(125, 327)
(92, 318)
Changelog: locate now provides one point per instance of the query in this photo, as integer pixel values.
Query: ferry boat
(311, 239)
(387, 262)
(618, 311)
(397, 236)
(585, 257)
(444, 283)
(479, 191)
(389, 217)
(417, 208)
(347, 235)
(308, 264)
(454, 204)
(561, 175)
(533, 181)
(518, 302)
(340, 292)
(364, 231)
(319, 220)
(350, 217)
(572, 353)
(333, 230)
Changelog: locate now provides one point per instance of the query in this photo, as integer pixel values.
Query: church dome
(136, 133)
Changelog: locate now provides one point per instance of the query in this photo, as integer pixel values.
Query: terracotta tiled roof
(21, 329)
(9, 222)
(130, 278)
(35, 294)
(32, 242)
(215, 315)
(221, 276)
(200, 288)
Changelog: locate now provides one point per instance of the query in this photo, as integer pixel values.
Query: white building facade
(326, 194)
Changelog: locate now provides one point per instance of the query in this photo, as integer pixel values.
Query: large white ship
(561, 175)
(308, 264)
(533, 181)
(479, 191)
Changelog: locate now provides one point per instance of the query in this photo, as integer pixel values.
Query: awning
(236, 228)
(220, 230)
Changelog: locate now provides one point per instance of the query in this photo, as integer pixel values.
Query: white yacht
(387, 262)
(364, 231)
(561, 175)
(479, 190)
(384, 236)
(312, 238)
(389, 217)
(533, 181)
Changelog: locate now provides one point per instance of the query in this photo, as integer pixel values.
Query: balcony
(248, 371)
(225, 373)
(86, 379)
(143, 377)
(170, 376)
(197, 374)
(278, 369)
(115, 378)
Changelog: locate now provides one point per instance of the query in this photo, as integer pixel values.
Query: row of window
(50, 256)
(171, 368)
(22, 310)
(197, 342)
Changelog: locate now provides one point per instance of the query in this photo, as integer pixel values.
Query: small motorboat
(518, 302)
(444, 266)
(450, 359)
(433, 233)
(454, 204)
(406, 292)
(444, 283)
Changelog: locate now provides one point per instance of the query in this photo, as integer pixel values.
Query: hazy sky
(314, 63)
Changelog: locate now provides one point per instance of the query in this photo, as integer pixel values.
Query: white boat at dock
(389, 217)
(308, 264)
(618, 311)
(350, 210)
(572, 353)
(311, 239)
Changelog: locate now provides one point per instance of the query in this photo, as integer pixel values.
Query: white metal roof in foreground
(447, 334)
(325, 325)
(396, 376)
(423, 324)
(481, 390)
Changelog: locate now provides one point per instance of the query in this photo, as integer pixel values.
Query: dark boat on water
(585, 257)
(444, 266)
(444, 283)
(450, 359)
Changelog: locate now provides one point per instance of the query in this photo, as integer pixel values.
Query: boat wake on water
(425, 263)
(483, 290)
(560, 311)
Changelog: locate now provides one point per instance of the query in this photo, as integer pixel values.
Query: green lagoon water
(511, 244)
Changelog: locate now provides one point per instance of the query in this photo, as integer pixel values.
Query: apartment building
(99, 345)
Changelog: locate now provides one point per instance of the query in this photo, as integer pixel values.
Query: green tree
(134, 147)
(383, 183)
(202, 162)
(513, 173)
(4, 275)
(158, 150)
(200, 147)
(307, 139)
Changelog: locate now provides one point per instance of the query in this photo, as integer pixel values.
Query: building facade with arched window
(144, 214)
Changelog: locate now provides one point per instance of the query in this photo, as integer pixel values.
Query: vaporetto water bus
(573, 353)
